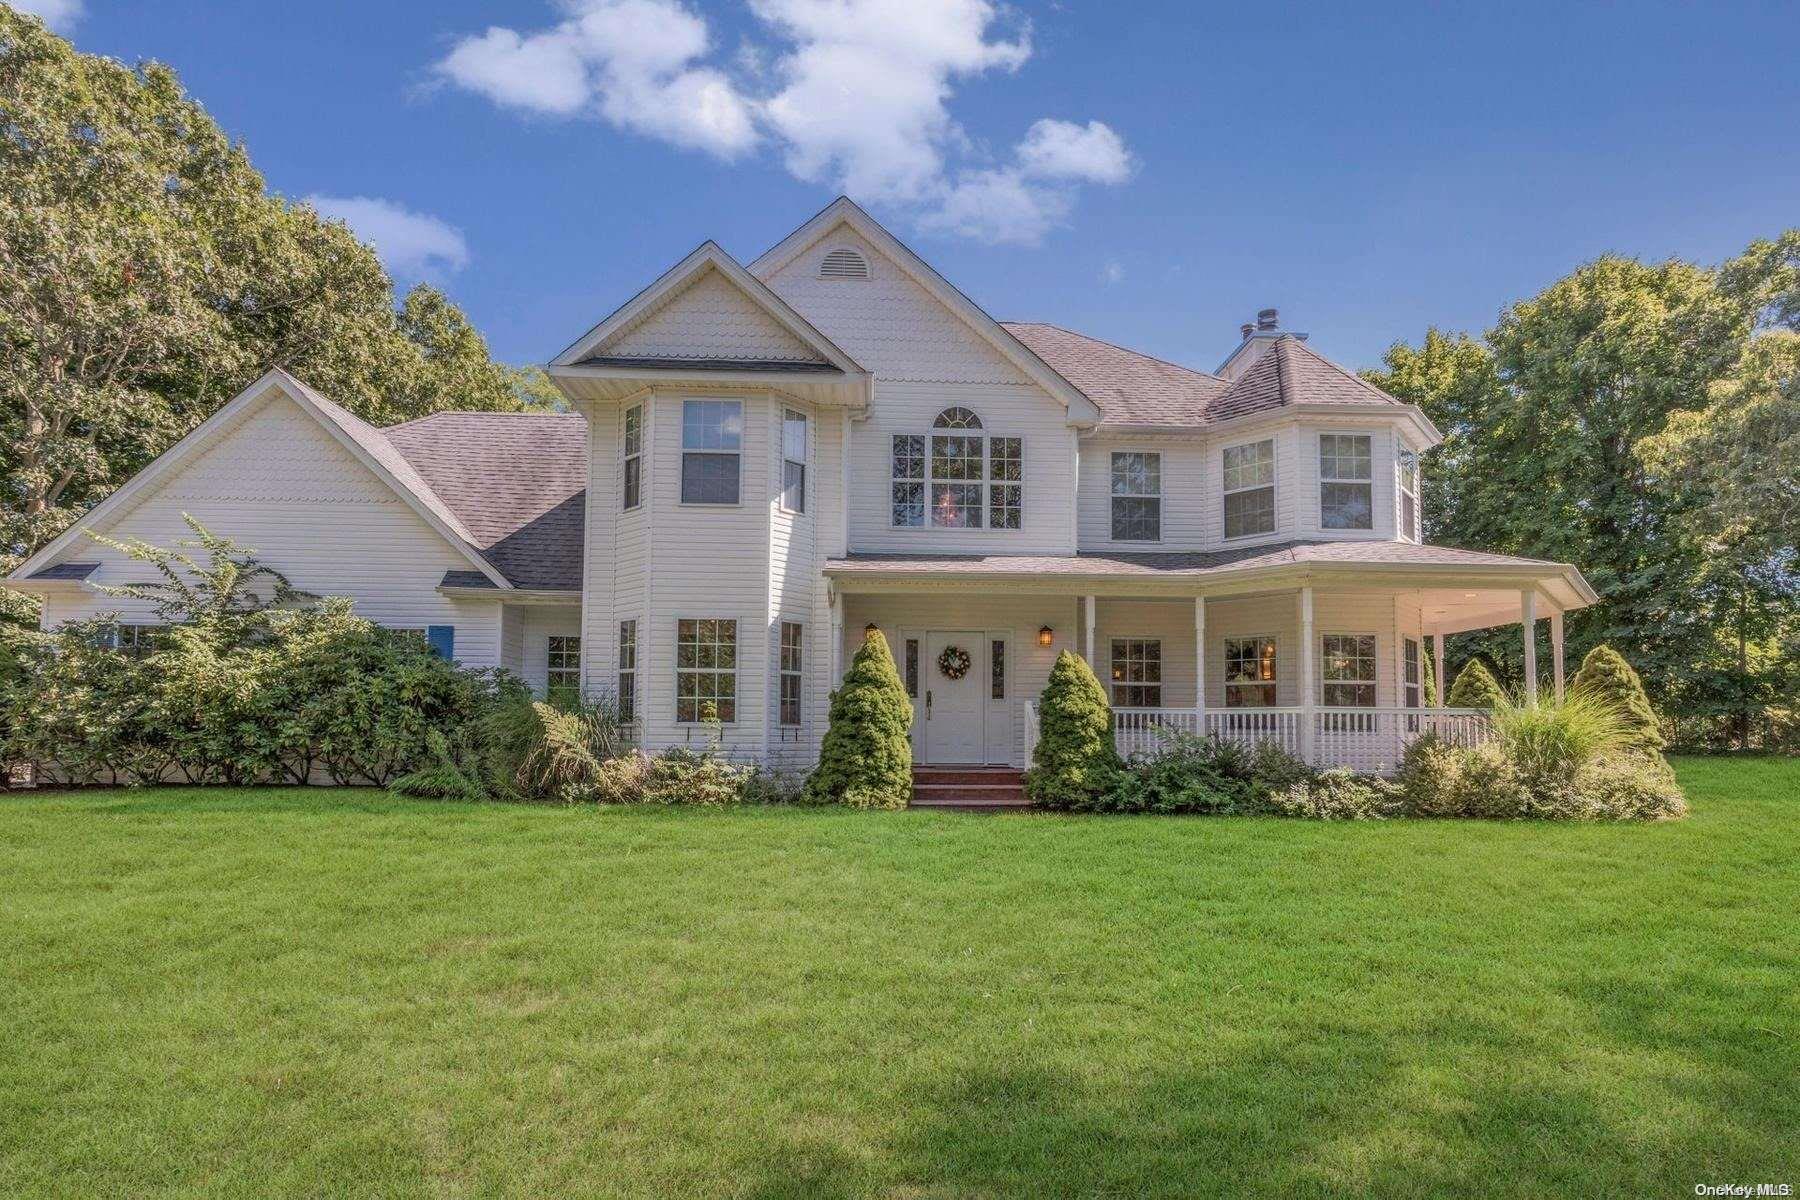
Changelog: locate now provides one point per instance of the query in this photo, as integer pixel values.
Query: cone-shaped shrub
(1075, 757)
(1606, 676)
(1475, 687)
(866, 760)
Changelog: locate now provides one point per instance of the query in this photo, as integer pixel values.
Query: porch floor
(969, 788)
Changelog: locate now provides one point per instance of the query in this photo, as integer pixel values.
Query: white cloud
(412, 245)
(1112, 271)
(631, 62)
(853, 94)
(59, 15)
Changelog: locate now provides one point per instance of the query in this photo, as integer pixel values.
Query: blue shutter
(442, 640)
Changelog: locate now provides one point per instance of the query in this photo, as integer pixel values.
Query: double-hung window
(957, 477)
(627, 670)
(1346, 495)
(1409, 655)
(1137, 672)
(1250, 672)
(1136, 497)
(1347, 679)
(1406, 474)
(633, 469)
(712, 440)
(793, 461)
(793, 649)
(562, 668)
(705, 669)
(1248, 473)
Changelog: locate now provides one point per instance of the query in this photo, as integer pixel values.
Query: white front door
(953, 707)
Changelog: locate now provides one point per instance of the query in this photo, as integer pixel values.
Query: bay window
(705, 669)
(793, 648)
(712, 439)
(633, 472)
(793, 461)
(1406, 473)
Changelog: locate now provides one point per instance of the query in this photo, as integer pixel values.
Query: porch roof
(1240, 569)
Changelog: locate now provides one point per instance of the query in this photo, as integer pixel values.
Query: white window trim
(1224, 659)
(1319, 475)
(743, 433)
(1274, 485)
(782, 674)
(1162, 663)
(1160, 496)
(1374, 660)
(1415, 532)
(737, 672)
(805, 461)
(987, 482)
(625, 456)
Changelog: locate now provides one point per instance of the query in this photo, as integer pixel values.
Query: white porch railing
(1368, 740)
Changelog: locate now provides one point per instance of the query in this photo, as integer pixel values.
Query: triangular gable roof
(844, 211)
(710, 256)
(364, 442)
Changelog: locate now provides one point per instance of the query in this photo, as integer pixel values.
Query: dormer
(1256, 338)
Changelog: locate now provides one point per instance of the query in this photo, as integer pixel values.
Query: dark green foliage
(1475, 687)
(1188, 774)
(1607, 677)
(866, 759)
(1076, 761)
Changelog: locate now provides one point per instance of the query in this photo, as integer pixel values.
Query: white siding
(710, 318)
(1186, 477)
(278, 482)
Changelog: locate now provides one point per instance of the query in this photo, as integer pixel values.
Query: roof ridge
(475, 412)
(1114, 345)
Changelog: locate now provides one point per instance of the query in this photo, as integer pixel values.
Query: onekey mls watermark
(1743, 1189)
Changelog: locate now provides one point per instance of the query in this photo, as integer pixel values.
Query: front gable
(709, 317)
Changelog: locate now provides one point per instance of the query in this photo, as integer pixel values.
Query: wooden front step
(968, 787)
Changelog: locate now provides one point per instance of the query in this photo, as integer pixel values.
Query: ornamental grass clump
(866, 758)
(1553, 741)
(1075, 761)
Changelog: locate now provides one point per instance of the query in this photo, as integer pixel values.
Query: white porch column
(1200, 660)
(837, 636)
(1556, 652)
(1088, 606)
(1437, 669)
(1309, 686)
(1528, 619)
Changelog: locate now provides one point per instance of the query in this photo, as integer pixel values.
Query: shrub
(1550, 742)
(622, 780)
(1632, 787)
(1475, 687)
(867, 749)
(1488, 784)
(1339, 795)
(680, 776)
(1272, 769)
(1429, 777)
(772, 785)
(1606, 676)
(1075, 760)
(1189, 775)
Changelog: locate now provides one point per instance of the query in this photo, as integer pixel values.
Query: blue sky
(1147, 173)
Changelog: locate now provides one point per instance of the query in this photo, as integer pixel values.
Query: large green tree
(147, 275)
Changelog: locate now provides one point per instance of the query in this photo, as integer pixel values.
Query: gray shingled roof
(1136, 389)
(1182, 564)
(518, 482)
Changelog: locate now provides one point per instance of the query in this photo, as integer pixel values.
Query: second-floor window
(712, 439)
(793, 460)
(1136, 497)
(1346, 493)
(634, 456)
(1406, 474)
(957, 477)
(1248, 473)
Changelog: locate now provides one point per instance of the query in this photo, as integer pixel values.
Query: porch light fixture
(1044, 635)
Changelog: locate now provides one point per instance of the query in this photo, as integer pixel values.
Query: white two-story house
(764, 460)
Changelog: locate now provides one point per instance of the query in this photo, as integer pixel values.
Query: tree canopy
(147, 275)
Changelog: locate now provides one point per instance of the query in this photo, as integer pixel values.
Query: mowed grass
(317, 993)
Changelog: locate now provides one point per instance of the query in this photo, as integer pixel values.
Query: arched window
(957, 478)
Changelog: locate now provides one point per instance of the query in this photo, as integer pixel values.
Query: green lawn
(343, 993)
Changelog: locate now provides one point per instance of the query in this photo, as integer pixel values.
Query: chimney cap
(1266, 318)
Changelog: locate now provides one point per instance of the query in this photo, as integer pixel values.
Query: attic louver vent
(843, 264)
